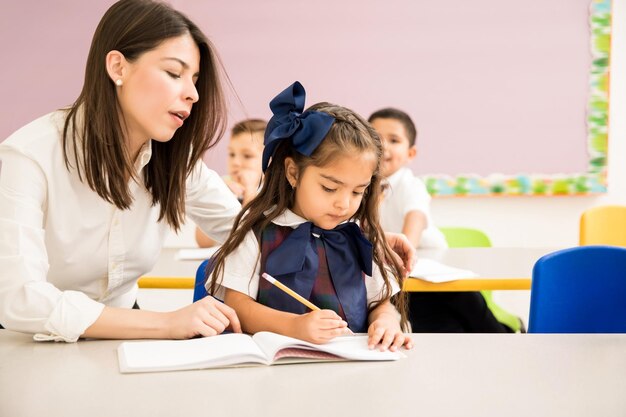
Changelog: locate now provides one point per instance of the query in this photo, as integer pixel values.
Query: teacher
(89, 193)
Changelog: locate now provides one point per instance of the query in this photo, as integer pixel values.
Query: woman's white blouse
(65, 253)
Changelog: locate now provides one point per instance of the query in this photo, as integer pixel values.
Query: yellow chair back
(603, 225)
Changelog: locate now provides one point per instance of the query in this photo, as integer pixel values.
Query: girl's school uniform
(307, 259)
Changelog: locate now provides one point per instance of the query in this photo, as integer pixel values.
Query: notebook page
(348, 347)
(206, 352)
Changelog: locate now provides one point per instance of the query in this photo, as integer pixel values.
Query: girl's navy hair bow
(305, 130)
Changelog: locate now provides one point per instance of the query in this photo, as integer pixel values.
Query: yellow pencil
(295, 295)
(289, 291)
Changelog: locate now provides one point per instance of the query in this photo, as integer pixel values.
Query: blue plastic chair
(199, 291)
(579, 290)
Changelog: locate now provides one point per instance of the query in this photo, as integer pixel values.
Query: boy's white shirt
(408, 193)
(242, 268)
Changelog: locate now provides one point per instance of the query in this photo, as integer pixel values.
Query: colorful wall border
(594, 180)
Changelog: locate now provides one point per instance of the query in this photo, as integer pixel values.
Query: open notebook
(433, 271)
(264, 348)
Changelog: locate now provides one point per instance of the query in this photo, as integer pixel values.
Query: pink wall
(493, 86)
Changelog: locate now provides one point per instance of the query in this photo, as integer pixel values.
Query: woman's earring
(119, 82)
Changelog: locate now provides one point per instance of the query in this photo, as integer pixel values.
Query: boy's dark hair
(399, 115)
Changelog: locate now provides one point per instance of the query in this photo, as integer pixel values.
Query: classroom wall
(539, 221)
(510, 221)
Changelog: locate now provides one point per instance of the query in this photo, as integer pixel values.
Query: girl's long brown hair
(93, 134)
(349, 134)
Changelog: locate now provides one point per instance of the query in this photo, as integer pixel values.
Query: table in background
(498, 269)
(444, 375)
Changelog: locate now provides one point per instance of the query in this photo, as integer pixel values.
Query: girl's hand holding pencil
(318, 326)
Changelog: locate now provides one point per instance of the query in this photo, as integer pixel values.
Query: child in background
(302, 229)
(405, 208)
(245, 150)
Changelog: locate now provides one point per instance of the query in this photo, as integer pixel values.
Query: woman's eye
(173, 75)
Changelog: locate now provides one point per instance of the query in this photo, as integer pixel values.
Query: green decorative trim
(594, 180)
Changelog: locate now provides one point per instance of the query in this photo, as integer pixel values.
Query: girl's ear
(291, 171)
(116, 66)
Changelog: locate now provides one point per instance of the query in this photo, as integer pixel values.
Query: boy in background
(405, 208)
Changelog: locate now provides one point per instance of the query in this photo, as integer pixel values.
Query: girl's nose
(343, 201)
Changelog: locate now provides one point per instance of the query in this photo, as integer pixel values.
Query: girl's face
(245, 152)
(158, 90)
(330, 195)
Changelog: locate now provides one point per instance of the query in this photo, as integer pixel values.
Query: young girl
(301, 228)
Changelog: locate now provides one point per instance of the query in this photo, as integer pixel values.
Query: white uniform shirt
(65, 253)
(242, 269)
(408, 193)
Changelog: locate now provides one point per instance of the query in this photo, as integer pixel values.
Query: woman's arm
(210, 204)
(206, 317)
(203, 240)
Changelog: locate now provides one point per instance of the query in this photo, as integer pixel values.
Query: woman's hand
(385, 333)
(319, 326)
(205, 317)
(403, 249)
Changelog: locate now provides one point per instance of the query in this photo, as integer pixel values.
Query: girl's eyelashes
(332, 190)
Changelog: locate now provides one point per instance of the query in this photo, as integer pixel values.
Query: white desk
(445, 375)
(498, 269)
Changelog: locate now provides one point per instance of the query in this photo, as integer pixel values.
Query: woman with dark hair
(88, 193)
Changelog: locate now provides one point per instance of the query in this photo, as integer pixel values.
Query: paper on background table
(433, 271)
(196, 253)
